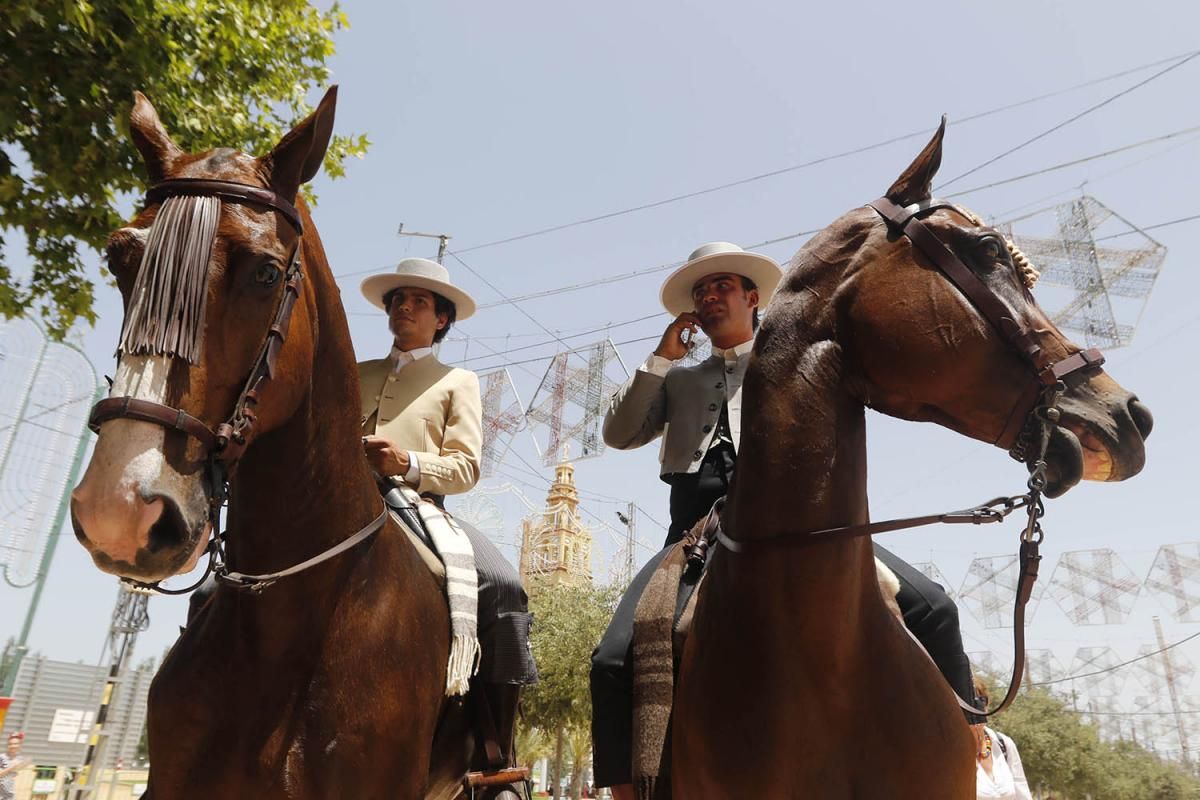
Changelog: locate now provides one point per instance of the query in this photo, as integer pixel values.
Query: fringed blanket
(660, 629)
(462, 591)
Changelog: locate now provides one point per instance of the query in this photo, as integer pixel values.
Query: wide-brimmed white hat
(714, 257)
(420, 273)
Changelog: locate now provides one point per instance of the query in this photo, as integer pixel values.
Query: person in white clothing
(999, 774)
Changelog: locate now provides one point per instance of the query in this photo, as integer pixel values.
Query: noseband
(224, 444)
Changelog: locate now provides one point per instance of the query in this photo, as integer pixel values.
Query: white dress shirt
(400, 360)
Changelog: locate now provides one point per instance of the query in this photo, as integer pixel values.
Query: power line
(1148, 228)
(1074, 118)
(813, 162)
(648, 516)
(624, 276)
(1075, 162)
(588, 332)
(536, 359)
(1142, 657)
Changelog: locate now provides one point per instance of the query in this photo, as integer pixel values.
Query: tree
(568, 622)
(1064, 755)
(228, 73)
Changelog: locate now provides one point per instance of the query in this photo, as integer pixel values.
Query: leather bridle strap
(256, 583)
(993, 511)
(227, 189)
(175, 419)
(227, 442)
(906, 220)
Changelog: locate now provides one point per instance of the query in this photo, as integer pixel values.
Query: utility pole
(443, 239)
(1169, 673)
(129, 619)
(629, 520)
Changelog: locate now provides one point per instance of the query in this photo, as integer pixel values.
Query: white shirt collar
(402, 358)
(732, 353)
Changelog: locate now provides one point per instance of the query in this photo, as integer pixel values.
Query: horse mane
(847, 244)
(166, 307)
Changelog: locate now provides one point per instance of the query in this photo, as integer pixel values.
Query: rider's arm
(454, 468)
(637, 412)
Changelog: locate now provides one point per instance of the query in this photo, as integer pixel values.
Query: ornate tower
(555, 546)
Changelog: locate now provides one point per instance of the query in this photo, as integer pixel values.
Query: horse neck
(802, 465)
(304, 487)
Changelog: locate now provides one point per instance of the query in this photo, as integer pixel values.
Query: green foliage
(220, 73)
(567, 623)
(1065, 756)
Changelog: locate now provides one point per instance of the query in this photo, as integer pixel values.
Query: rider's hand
(672, 346)
(384, 457)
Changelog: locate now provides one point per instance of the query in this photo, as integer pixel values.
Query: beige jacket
(431, 409)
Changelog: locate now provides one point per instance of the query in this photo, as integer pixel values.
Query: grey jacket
(683, 407)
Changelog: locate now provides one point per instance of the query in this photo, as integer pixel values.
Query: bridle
(1026, 433)
(225, 443)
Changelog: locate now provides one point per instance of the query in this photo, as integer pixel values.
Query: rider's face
(413, 317)
(724, 305)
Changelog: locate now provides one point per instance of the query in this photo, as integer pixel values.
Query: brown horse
(815, 691)
(329, 683)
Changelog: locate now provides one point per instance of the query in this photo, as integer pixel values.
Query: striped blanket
(462, 590)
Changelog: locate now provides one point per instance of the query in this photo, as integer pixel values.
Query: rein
(225, 444)
(1026, 434)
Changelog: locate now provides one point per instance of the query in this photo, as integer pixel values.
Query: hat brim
(676, 294)
(376, 287)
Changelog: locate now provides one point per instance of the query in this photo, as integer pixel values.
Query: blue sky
(493, 120)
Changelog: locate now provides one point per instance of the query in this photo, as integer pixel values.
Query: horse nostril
(1142, 418)
(169, 529)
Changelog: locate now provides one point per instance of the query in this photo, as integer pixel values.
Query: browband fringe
(166, 308)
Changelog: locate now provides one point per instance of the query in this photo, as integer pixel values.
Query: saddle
(413, 528)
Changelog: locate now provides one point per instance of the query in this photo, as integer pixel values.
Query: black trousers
(693, 495)
(504, 618)
(928, 612)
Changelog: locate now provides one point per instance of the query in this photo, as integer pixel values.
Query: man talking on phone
(719, 290)
(697, 409)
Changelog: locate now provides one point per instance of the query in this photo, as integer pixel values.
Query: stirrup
(508, 776)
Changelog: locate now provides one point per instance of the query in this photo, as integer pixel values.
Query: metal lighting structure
(584, 391)
(1097, 269)
(46, 391)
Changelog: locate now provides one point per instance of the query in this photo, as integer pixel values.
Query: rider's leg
(612, 688)
(507, 661)
(933, 618)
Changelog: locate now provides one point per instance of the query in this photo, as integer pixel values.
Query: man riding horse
(697, 410)
(422, 435)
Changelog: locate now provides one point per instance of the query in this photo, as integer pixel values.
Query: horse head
(203, 272)
(916, 344)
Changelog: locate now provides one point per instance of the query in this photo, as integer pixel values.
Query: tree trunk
(558, 760)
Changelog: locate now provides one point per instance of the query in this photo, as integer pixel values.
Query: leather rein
(1026, 434)
(225, 444)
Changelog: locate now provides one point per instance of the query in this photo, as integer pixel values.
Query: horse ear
(914, 185)
(151, 138)
(298, 156)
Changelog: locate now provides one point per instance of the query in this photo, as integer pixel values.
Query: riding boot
(499, 722)
(503, 701)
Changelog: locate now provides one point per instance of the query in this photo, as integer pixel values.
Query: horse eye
(990, 249)
(266, 275)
